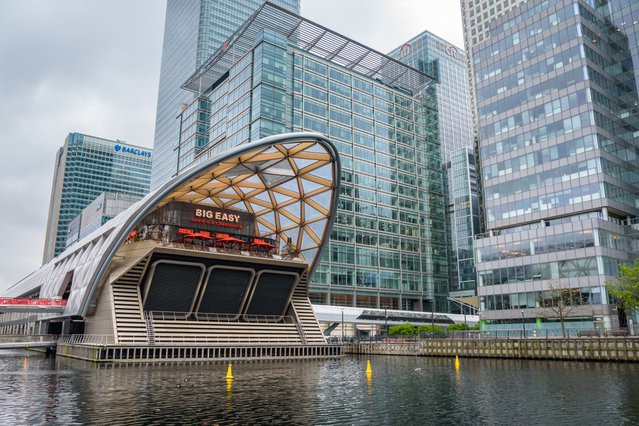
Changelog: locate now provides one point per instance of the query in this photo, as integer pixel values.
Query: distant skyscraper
(447, 63)
(193, 31)
(557, 109)
(85, 167)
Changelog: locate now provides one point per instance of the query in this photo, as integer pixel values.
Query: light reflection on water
(401, 390)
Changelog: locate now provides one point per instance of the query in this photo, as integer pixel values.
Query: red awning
(259, 243)
(231, 240)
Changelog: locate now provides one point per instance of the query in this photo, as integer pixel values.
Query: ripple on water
(401, 390)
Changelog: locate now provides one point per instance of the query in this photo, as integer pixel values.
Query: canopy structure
(310, 37)
(290, 183)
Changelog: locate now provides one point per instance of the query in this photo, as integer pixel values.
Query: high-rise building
(283, 73)
(447, 64)
(193, 31)
(558, 126)
(85, 167)
(101, 210)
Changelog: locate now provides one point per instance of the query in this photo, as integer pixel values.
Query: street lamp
(523, 323)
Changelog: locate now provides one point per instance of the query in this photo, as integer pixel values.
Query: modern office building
(193, 31)
(557, 110)
(281, 72)
(85, 167)
(447, 64)
(104, 208)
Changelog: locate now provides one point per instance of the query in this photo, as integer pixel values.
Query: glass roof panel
(307, 241)
(323, 199)
(269, 217)
(236, 171)
(326, 172)
(310, 186)
(281, 198)
(285, 222)
(291, 185)
(310, 213)
(303, 162)
(263, 196)
(309, 255)
(318, 227)
(294, 208)
(282, 168)
(274, 180)
(315, 148)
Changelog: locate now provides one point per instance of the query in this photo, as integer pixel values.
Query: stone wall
(582, 349)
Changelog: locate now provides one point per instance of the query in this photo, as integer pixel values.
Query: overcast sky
(92, 67)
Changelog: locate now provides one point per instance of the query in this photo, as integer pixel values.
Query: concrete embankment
(582, 349)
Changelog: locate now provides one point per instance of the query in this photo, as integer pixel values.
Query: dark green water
(401, 391)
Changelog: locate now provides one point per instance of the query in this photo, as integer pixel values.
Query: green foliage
(402, 330)
(429, 329)
(458, 327)
(625, 286)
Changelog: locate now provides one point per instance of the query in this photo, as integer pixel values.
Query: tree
(458, 327)
(560, 301)
(625, 286)
(402, 330)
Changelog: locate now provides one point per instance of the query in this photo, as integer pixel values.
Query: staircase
(311, 333)
(129, 321)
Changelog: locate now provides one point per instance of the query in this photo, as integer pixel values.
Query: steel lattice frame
(310, 37)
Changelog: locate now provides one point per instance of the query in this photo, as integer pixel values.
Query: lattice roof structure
(310, 37)
(290, 182)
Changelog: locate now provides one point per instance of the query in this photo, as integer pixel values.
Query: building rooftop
(308, 37)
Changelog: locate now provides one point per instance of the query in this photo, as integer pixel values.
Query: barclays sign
(133, 151)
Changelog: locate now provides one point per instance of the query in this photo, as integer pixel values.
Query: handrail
(215, 317)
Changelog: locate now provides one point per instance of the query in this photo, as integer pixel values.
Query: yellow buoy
(456, 362)
(229, 373)
(368, 367)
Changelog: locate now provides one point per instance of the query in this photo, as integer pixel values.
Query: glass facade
(87, 166)
(558, 125)
(446, 63)
(388, 246)
(193, 31)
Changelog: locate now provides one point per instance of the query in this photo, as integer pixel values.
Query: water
(401, 391)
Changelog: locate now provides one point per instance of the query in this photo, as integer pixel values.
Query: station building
(215, 263)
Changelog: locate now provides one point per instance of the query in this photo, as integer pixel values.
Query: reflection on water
(400, 390)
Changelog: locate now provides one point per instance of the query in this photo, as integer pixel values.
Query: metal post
(385, 321)
(432, 319)
(343, 325)
(523, 323)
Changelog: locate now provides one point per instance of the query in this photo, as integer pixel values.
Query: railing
(490, 334)
(28, 338)
(210, 249)
(212, 317)
(88, 339)
(226, 340)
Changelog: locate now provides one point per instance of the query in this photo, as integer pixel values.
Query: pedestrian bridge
(28, 341)
(20, 304)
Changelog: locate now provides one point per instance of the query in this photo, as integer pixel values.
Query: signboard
(452, 51)
(189, 216)
(132, 151)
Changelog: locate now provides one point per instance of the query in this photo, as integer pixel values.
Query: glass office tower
(447, 64)
(283, 73)
(557, 104)
(85, 167)
(193, 30)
